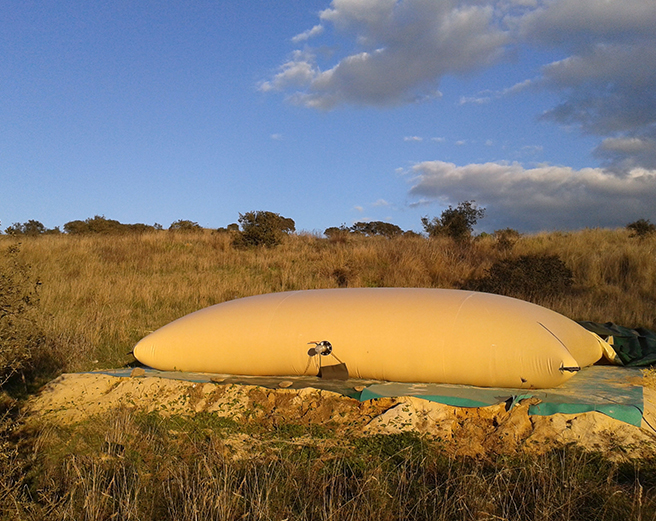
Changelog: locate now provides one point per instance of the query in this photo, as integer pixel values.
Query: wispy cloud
(310, 33)
(413, 138)
(487, 96)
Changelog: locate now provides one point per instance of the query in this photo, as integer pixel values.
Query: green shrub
(379, 228)
(185, 226)
(18, 296)
(456, 223)
(30, 228)
(641, 228)
(262, 229)
(102, 226)
(529, 277)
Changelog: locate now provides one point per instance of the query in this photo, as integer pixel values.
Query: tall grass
(101, 294)
(168, 469)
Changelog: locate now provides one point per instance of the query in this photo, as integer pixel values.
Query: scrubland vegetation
(76, 302)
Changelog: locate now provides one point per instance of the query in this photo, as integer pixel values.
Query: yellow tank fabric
(394, 334)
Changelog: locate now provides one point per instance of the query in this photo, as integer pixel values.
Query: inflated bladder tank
(395, 334)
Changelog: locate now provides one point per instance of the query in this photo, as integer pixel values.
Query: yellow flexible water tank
(395, 334)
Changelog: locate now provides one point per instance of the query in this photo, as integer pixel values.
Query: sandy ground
(73, 398)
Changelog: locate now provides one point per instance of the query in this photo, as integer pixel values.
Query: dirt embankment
(73, 398)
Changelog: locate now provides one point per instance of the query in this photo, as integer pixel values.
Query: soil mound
(74, 398)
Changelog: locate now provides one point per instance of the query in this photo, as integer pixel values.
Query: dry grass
(100, 295)
(184, 469)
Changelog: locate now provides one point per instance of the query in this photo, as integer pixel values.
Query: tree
(456, 223)
(641, 228)
(76, 227)
(30, 228)
(334, 232)
(260, 228)
(373, 228)
(100, 225)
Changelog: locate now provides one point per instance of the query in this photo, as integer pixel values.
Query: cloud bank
(542, 198)
(401, 49)
(606, 87)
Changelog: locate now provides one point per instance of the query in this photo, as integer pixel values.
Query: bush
(506, 238)
(231, 228)
(262, 229)
(456, 223)
(102, 226)
(18, 296)
(185, 226)
(379, 228)
(30, 228)
(529, 277)
(641, 228)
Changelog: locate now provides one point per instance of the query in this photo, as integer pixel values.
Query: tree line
(264, 228)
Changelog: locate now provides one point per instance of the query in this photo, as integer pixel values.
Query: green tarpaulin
(634, 347)
(611, 390)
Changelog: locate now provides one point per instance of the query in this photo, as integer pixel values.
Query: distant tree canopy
(456, 223)
(369, 229)
(260, 228)
(641, 228)
(30, 228)
(100, 225)
(335, 232)
(373, 228)
(184, 226)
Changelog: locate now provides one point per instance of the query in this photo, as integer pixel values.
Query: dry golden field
(98, 295)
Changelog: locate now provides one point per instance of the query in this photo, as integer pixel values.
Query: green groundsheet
(611, 390)
(634, 347)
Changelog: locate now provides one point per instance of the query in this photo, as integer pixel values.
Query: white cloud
(413, 138)
(359, 208)
(608, 81)
(310, 33)
(546, 197)
(583, 21)
(381, 202)
(276, 137)
(402, 50)
(295, 73)
(461, 142)
(487, 96)
(478, 100)
(634, 149)
(438, 139)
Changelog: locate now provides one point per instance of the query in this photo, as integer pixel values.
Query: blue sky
(542, 111)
